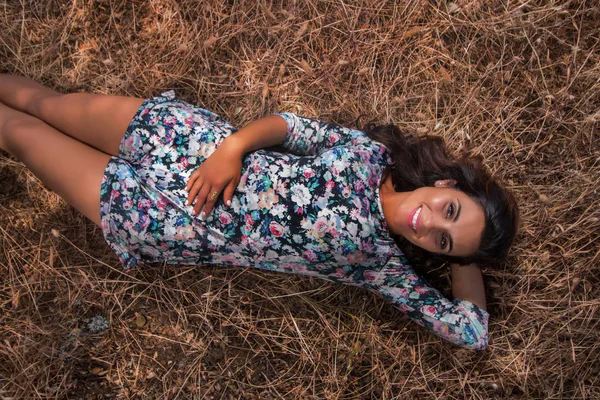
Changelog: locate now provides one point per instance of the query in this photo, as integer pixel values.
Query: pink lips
(410, 218)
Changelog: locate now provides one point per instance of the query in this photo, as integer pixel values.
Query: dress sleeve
(458, 321)
(309, 137)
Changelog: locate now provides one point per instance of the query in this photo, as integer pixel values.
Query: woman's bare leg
(70, 168)
(97, 120)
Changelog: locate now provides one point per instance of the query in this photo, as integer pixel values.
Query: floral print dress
(313, 210)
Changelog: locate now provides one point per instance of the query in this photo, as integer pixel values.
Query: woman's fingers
(203, 194)
(193, 177)
(190, 181)
(193, 186)
(200, 200)
(228, 193)
(213, 195)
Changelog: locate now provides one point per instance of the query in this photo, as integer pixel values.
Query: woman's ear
(445, 183)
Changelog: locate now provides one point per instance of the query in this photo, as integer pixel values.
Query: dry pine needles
(516, 81)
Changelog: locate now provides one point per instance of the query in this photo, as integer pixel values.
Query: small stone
(97, 324)
(99, 371)
(306, 66)
(140, 320)
(210, 41)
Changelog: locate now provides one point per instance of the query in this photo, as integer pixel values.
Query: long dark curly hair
(420, 161)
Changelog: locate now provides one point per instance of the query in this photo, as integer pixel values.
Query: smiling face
(440, 220)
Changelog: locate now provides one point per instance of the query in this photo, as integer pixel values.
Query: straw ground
(516, 81)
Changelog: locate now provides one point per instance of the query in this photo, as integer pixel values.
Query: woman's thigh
(97, 120)
(70, 168)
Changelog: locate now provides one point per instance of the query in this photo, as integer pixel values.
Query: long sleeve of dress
(458, 321)
(309, 137)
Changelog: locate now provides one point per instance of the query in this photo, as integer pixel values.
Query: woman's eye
(443, 242)
(450, 212)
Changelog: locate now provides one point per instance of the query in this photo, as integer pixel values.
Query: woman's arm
(299, 135)
(265, 132)
(467, 284)
(309, 136)
(459, 320)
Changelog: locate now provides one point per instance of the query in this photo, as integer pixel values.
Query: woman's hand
(221, 170)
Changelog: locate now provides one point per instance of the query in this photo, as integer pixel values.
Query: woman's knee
(14, 132)
(43, 104)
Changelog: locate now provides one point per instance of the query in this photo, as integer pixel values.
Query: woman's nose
(427, 223)
(430, 222)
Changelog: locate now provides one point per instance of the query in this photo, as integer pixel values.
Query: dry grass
(517, 81)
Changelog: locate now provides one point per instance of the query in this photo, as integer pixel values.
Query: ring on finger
(214, 195)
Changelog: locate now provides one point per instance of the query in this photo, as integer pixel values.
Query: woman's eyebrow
(457, 211)
(450, 240)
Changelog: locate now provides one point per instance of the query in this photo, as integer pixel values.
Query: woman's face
(441, 220)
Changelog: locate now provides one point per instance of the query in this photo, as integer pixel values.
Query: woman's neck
(390, 199)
